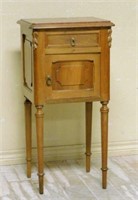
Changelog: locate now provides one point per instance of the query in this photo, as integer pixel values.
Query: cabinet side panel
(27, 62)
(28, 80)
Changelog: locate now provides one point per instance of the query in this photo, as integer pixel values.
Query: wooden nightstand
(66, 60)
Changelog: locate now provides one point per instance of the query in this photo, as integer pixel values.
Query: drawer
(71, 41)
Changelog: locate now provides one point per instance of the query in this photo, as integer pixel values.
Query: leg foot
(104, 177)
(28, 127)
(88, 134)
(104, 137)
(39, 128)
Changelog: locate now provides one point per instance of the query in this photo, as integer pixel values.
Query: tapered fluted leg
(104, 136)
(88, 134)
(39, 129)
(28, 129)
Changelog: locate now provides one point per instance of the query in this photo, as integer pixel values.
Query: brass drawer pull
(72, 41)
(48, 80)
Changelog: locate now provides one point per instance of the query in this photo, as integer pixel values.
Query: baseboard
(117, 148)
(69, 152)
(50, 154)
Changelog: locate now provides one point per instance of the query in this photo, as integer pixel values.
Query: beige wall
(64, 123)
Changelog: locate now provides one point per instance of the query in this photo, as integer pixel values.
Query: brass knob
(72, 41)
(48, 80)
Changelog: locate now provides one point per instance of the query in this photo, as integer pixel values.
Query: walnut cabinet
(66, 60)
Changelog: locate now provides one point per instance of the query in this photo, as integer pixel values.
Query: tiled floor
(67, 180)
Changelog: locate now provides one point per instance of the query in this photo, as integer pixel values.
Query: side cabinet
(66, 60)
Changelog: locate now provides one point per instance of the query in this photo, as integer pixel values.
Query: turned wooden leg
(28, 129)
(88, 134)
(39, 129)
(104, 136)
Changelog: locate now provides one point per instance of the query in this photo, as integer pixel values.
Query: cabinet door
(72, 77)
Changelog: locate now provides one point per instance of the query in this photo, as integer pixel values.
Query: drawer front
(66, 42)
(72, 77)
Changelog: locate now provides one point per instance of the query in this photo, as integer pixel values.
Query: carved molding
(109, 37)
(35, 40)
(104, 108)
